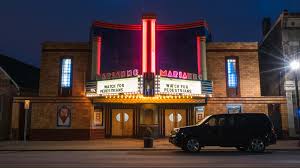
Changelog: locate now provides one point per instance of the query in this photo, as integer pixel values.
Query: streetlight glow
(294, 65)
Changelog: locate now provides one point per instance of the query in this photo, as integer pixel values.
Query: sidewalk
(115, 145)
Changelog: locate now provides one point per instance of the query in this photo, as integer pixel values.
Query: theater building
(130, 77)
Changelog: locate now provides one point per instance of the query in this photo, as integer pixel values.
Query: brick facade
(248, 67)
(249, 81)
(52, 53)
(44, 108)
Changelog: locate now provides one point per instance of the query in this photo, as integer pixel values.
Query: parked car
(245, 131)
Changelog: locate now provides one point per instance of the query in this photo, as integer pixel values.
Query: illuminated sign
(120, 74)
(179, 74)
(178, 86)
(119, 86)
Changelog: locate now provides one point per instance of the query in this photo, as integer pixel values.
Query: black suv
(245, 131)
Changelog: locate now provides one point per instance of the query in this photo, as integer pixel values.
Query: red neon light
(199, 55)
(99, 41)
(144, 54)
(200, 23)
(153, 67)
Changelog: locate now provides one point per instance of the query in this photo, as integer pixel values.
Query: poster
(63, 116)
(199, 111)
(234, 108)
(98, 117)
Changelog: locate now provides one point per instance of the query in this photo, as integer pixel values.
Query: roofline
(199, 23)
(17, 86)
(271, 29)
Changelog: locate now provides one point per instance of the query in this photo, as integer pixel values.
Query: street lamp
(295, 66)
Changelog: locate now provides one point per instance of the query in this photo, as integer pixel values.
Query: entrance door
(122, 122)
(275, 116)
(174, 118)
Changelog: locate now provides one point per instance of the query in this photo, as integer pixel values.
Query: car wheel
(241, 148)
(192, 145)
(257, 145)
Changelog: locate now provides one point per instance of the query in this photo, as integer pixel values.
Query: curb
(129, 149)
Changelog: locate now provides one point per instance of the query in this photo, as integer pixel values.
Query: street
(163, 158)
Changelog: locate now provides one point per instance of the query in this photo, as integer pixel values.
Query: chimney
(266, 25)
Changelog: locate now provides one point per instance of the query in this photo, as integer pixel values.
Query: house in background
(16, 79)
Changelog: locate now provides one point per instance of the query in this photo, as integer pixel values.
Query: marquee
(169, 86)
(119, 86)
(134, 86)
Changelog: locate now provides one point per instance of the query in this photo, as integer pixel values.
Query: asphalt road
(109, 159)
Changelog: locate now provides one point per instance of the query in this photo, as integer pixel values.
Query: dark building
(279, 47)
(16, 79)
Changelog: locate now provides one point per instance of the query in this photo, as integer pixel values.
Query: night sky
(25, 24)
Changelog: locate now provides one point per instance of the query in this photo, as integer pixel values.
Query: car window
(204, 120)
(231, 121)
(221, 121)
(212, 122)
(216, 121)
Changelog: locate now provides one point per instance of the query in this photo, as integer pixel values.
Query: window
(231, 122)
(232, 76)
(66, 77)
(66, 72)
(212, 122)
(216, 121)
(231, 73)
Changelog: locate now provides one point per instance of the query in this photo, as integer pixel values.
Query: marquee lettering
(179, 74)
(120, 74)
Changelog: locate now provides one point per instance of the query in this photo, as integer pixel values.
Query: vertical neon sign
(99, 41)
(148, 53)
(199, 55)
(144, 57)
(153, 67)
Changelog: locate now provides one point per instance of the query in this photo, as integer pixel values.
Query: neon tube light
(153, 67)
(99, 42)
(144, 54)
(199, 55)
